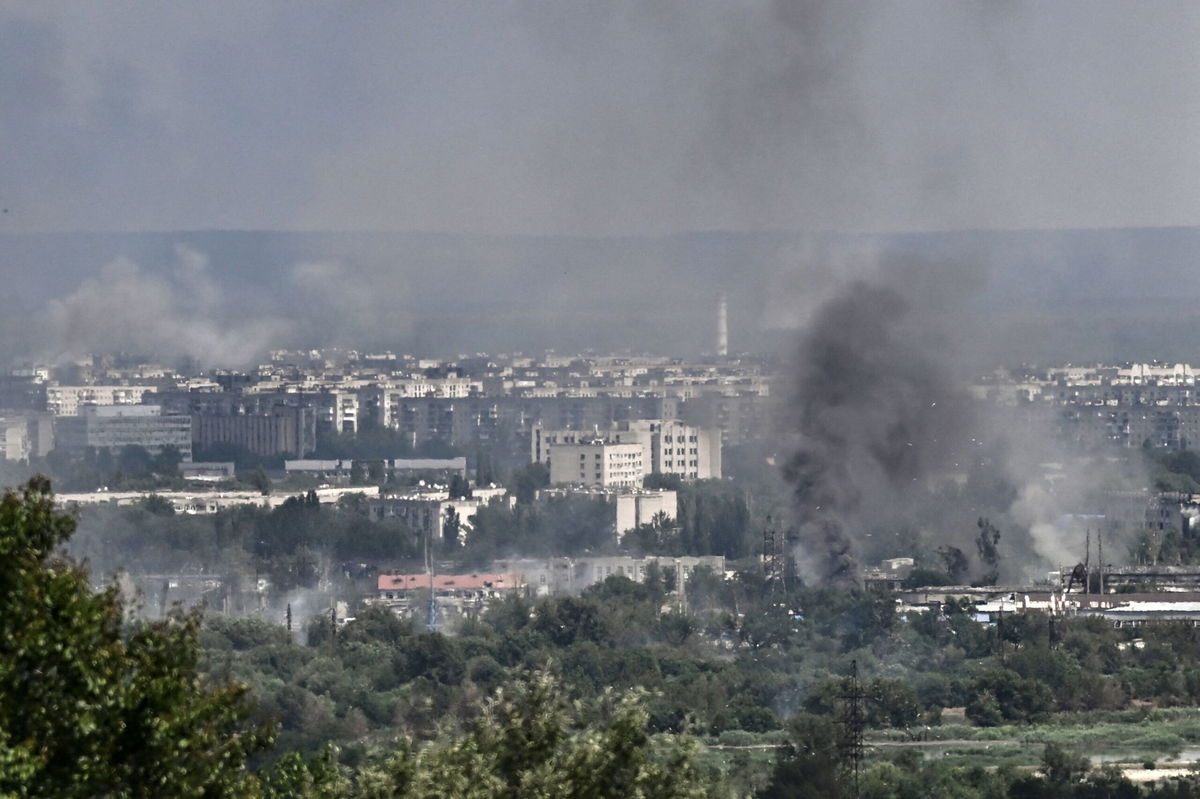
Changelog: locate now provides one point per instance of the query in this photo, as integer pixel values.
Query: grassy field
(1130, 737)
(1136, 736)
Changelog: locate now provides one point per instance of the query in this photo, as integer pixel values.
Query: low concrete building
(635, 508)
(430, 513)
(208, 472)
(339, 468)
(631, 507)
(25, 434)
(198, 501)
(890, 574)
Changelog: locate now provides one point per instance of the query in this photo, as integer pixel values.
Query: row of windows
(612, 456)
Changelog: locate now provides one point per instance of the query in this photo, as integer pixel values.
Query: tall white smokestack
(723, 327)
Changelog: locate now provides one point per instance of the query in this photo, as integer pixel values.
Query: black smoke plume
(874, 415)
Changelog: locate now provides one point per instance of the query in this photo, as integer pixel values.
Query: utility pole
(1100, 557)
(1000, 632)
(433, 620)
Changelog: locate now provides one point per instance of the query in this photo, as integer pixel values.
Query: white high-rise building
(598, 463)
(667, 447)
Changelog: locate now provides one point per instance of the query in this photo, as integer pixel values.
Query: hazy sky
(598, 117)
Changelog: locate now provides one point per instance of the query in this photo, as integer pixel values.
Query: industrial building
(113, 427)
(281, 431)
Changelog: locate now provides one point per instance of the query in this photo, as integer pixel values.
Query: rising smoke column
(874, 416)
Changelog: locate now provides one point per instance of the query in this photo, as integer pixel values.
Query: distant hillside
(1041, 295)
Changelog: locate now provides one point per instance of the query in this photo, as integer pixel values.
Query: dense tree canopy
(90, 705)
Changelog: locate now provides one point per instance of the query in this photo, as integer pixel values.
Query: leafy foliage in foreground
(532, 743)
(90, 706)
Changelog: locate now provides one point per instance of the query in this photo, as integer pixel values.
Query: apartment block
(598, 463)
(668, 447)
(68, 400)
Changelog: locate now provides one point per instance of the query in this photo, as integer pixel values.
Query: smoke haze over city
(689, 398)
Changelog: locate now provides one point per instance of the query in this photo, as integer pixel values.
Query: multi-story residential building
(339, 413)
(598, 463)
(113, 427)
(476, 401)
(690, 452)
(668, 447)
(68, 400)
(740, 417)
(23, 391)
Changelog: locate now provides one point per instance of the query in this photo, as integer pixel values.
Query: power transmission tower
(853, 725)
(774, 563)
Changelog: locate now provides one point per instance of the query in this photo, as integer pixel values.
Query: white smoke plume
(127, 309)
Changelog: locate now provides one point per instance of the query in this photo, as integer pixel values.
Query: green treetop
(90, 705)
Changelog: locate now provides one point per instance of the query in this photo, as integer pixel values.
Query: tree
(159, 506)
(527, 481)
(258, 478)
(166, 462)
(135, 461)
(1062, 767)
(989, 554)
(90, 706)
(485, 472)
(531, 742)
(451, 527)
(955, 563)
(460, 487)
(812, 764)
